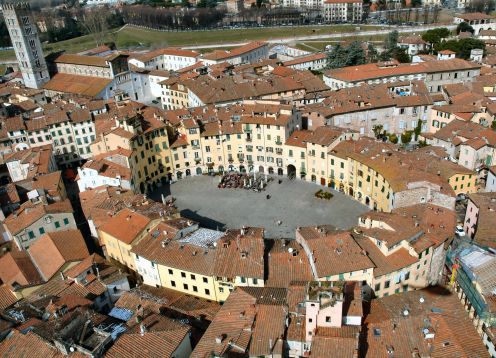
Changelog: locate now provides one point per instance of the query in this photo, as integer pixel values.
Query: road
(286, 40)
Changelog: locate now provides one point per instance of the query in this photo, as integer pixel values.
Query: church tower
(26, 43)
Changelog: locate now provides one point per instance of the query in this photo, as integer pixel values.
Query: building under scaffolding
(472, 275)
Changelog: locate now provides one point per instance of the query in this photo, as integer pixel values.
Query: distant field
(135, 37)
(131, 36)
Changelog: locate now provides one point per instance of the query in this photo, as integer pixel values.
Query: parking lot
(292, 203)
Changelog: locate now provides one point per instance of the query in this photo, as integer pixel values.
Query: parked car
(459, 231)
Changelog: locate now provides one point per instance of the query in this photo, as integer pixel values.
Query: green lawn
(132, 37)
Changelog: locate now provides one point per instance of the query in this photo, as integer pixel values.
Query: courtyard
(292, 203)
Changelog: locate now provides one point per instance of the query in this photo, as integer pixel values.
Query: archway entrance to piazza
(291, 171)
(271, 170)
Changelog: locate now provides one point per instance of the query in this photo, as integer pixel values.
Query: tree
(95, 23)
(393, 138)
(372, 54)
(418, 129)
(485, 6)
(462, 47)
(377, 129)
(464, 27)
(400, 55)
(391, 41)
(406, 137)
(346, 56)
(356, 54)
(435, 36)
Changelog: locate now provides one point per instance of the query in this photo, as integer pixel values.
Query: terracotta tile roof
(334, 252)
(175, 253)
(53, 250)
(244, 323)
(299, 138)
(29, 213)
(17, 269)
(84, 265)
(7, 298)
(268, 330)
(240, 254)
(339, 346)
(305, 59)
(153, 299)
(126, 226)
(475, 16)
(49, 182)
(416, 40)
(219, 55)
(384, 264)
(486, 221)
(287, 263)
(27, 345)
(441, 313)
(151, 344)
(82, 85)
(96, 61)
(374, 70)
(14, 124)
(168, 51)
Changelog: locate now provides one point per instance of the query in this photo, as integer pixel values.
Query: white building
(491, 180)
(315, 62)
(477, 20)
(343, 10)
(165, 59)
(412, 44)
(26, 43)
(112, 170)
(249, 53)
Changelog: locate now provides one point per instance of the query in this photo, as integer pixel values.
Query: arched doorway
(221, 169)
(341, 188)
(261, 169)
(242, 169)
(271, 170)
(291, 171)
(188, 172)
(367, 201)
(142, 188)
(332, 184)
(198, 171)
(280, 171)
(322, 181)
(313, 178)
(179, 175)
(350, 192)
(231, 168)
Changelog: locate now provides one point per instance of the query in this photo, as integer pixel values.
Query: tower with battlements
(26, 43)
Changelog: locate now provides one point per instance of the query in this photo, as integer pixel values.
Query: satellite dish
(406, 312)
(421, 299)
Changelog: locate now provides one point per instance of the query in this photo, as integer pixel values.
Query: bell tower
(26, 43)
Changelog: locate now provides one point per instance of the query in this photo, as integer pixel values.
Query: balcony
(278, 142)
(248, 139)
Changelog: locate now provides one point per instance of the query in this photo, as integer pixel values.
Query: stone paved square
(292, 202)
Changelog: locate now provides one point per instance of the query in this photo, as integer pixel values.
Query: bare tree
(95, 23)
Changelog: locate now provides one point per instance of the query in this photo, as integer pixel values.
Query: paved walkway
(292, 202)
